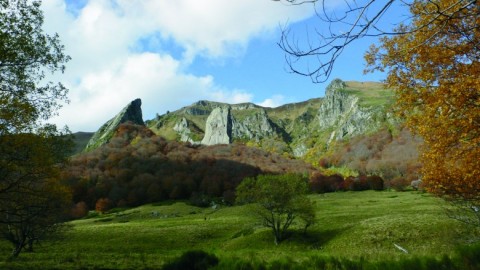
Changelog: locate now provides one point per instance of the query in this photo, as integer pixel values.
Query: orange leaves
(435, 71)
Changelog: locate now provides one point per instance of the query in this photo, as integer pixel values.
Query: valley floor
(350, 225)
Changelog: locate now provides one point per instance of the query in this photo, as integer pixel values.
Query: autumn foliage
(138, 167)
(435, 72)
(388, 154)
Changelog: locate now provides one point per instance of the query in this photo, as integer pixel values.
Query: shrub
(348, 183)
(399, 183)
(360, 183)
(375, 182)
(334, 182)
(320, 183)
(103, 205)
(79, 210)
(229, 197)
(195, 260)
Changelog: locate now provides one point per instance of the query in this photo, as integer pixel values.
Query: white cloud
(155, 79)
(219, 27)
(273, 102)
(108, 70)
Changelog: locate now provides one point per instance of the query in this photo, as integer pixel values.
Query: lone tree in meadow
(278, 200)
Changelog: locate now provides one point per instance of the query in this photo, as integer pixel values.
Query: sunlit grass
(350, 225)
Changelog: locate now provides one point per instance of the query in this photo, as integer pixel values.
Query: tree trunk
(16, 251)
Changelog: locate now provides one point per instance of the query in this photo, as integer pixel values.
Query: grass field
(350, 225)
(370, 93)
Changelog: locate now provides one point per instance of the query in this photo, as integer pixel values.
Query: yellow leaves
(435, 71)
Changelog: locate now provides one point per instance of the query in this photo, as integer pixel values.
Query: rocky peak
(130, 113)
(342, 112)
(336, 104)
(218, 128)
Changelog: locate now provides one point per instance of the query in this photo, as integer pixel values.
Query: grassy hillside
(370, 93)
(350, 225)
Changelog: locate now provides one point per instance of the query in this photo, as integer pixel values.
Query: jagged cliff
(132, 112)
(218, 127)
(348, 109)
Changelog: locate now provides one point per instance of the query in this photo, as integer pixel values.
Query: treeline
(138, 167)
(320, 183)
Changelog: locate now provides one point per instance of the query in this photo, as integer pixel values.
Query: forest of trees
(138, 167)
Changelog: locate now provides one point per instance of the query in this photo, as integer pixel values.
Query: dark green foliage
(32, 201)
(469, 257)
(277, 201)
(199, 199)
(26, 55)
(193, 260)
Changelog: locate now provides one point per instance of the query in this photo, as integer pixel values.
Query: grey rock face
(182, 129)
(255, 126)
(132, 112)
(299, 150)
(218, 128)
(343, 113)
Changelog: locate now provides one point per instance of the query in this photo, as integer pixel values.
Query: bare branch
(315, 57)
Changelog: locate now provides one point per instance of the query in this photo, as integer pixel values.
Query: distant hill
(207, 148)
(348, 109)
(350, 114)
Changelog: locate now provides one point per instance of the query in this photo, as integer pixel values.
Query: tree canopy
(435, 71)
(32, 199)
(432, 58)
(278, 200)
(27, 55)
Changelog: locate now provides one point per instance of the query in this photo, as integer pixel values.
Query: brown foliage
(103, 205)
(381, 154)
(79, 210)
(320, 183)
(139, 168)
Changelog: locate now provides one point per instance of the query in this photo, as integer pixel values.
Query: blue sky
(173, 53)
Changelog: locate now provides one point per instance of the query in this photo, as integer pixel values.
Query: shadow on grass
(314, 239)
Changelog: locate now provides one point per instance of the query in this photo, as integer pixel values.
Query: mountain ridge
(348, 109)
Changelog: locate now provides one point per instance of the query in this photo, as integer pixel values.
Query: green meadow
(351, 226)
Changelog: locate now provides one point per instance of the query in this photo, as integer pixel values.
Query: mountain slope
(347, 110)
(131, 113)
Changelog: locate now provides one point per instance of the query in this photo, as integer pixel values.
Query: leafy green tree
(27, 54)
(32, 199)
(278, 200)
